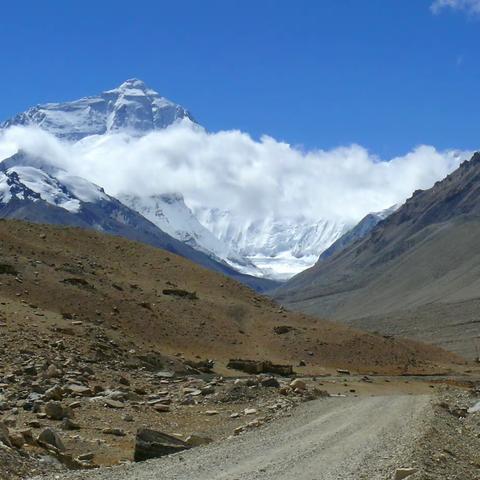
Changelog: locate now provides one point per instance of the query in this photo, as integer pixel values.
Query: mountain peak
(133, 82)
(131, 107)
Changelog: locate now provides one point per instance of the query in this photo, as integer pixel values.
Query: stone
(154, 444)
(211, 412)
(54, 393)
(118, 432)
(53, 372)
(298, 384)
(208, 390)
(34, 424)
(113, 403)
(194, 392)
(49, 437)
(56, 411)
(402, 473)
(27, 435)
(68, 424)
(196, 440)
(250, 411)
(78, 390)
(160, 407)
(5, 435)
(270, 382)
(128, 418)
(16, 439)
(256, 367)
(86, 457)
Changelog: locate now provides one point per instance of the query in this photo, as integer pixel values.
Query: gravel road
(335, 439)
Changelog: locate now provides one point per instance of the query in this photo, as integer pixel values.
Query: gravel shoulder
(337, 438)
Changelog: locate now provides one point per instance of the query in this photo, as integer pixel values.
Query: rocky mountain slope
(163, 301)
(132, 107)
(361, 230)
(416, 274)
(33, 190)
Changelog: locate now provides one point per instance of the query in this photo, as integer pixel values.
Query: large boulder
(153, 444)
(50, 438)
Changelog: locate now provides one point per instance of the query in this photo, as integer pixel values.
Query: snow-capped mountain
(170, 213)
(272, 247)
(132, 107)
(361, 230)
(279, 247)
(51, 195)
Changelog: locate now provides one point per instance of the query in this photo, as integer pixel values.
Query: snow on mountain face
(170, 213)
(281, 248)
(63, 190)
(272, 247)
(132, 107)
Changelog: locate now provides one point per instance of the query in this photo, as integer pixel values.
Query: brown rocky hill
(144, 304)
(417, 274)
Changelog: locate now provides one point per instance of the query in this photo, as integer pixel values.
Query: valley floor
(366, 437)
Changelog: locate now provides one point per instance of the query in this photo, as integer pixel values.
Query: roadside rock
(402, 473)
(153, 444)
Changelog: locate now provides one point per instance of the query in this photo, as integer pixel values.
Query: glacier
(279, 247)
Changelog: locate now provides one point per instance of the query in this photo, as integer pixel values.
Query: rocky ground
(62, 409)
(379, 437)
(450, 446)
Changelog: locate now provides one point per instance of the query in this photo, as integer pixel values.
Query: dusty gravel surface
(338, 438)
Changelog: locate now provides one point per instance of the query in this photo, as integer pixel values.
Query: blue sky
(387, 74)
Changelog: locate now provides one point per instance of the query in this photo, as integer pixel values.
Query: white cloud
(469, 6)
(230, 170)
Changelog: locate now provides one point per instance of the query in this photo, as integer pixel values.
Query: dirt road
(337, 438)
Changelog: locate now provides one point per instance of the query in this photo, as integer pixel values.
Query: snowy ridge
(170, 213)
(132, 107)
(24, 182)
(279, 247)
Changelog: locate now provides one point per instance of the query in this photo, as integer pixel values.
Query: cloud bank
(230, 170)
(469, 6)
